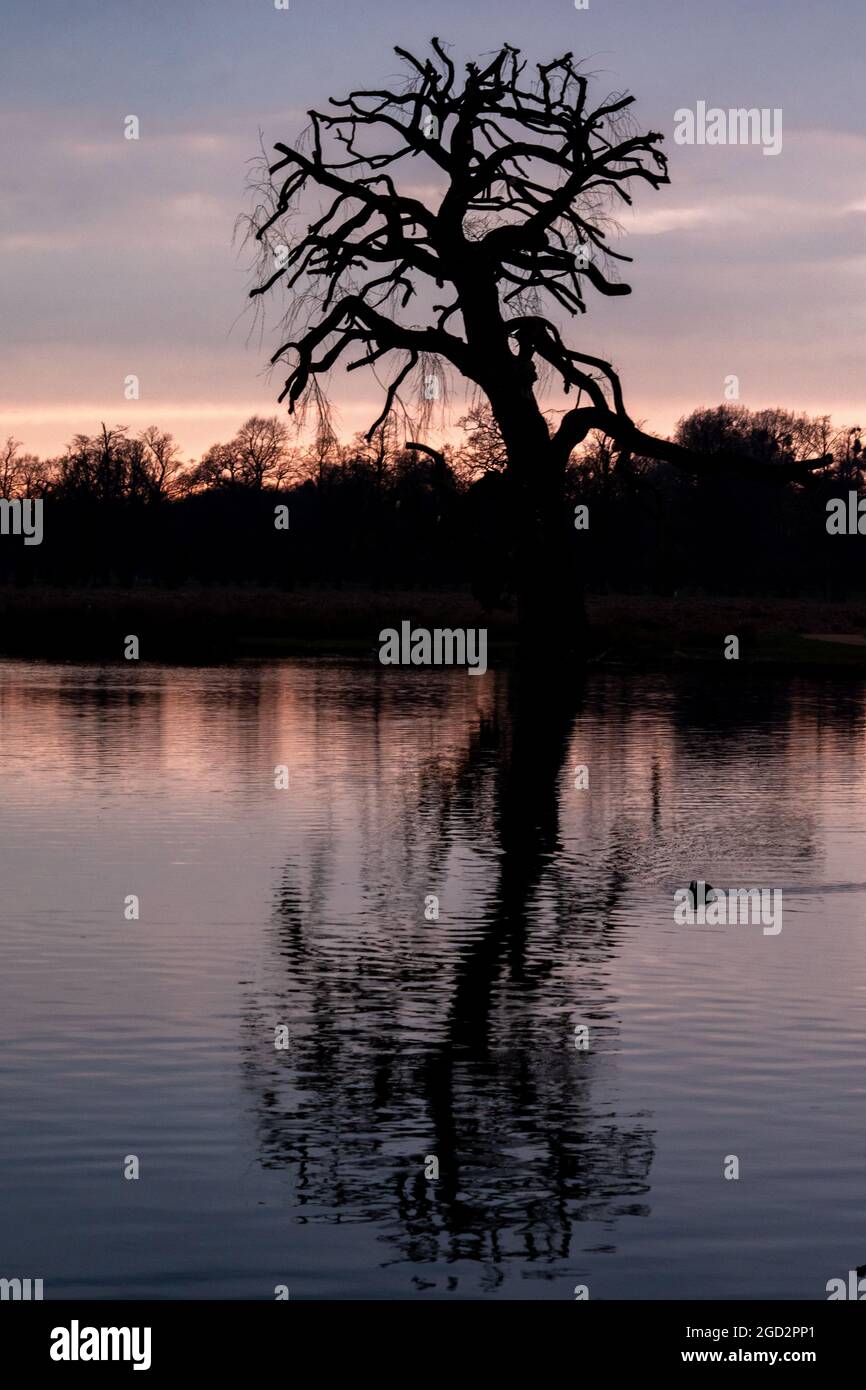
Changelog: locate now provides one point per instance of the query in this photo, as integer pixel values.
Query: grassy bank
(228, 623)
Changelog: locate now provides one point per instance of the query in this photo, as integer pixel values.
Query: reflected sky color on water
(411, 1037)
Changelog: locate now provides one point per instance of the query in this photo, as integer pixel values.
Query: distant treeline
(123, 509)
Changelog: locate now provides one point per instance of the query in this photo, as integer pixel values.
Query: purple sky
(118, 257)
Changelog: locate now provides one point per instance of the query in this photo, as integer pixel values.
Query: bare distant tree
(96, 467)
(10, 454)
(483, 449)
(262, 449)
(770, 435)
(258, 456)
(162, 461)
(22, 475)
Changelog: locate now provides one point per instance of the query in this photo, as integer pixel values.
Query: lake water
(411, 1039)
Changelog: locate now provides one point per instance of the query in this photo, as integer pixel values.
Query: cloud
(657, 221)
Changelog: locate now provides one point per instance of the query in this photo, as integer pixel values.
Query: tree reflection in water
(451, 1038)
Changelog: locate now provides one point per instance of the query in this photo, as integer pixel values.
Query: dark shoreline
(221, 623)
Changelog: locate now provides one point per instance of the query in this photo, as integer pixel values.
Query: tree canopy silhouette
(525, 170)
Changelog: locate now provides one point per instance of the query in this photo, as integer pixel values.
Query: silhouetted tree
(528, 168)
(257, 457)
(161, 462)
(21, 475)
(483, 450)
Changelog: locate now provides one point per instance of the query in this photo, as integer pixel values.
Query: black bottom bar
(164, 1339)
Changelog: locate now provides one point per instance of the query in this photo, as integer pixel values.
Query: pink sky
(118, 256)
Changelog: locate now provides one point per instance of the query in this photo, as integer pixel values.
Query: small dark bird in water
(693, 891)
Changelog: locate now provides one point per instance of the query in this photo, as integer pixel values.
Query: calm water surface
(408, 1037)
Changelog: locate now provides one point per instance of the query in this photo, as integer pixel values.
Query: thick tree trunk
(548, 577)
(547, 581)
(550, 600)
